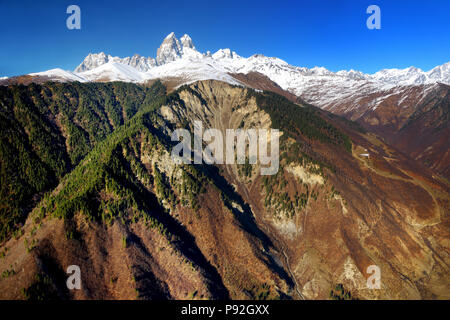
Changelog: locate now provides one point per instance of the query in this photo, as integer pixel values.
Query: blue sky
(308, 33)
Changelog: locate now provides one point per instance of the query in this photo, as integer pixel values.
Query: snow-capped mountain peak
(225, 54)
(186, 41)
(93, 60)
(169, 50)
(173, 49)
(114, 71)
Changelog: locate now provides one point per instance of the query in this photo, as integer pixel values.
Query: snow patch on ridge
(60, 74)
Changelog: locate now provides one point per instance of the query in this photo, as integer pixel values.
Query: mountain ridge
(173, 49)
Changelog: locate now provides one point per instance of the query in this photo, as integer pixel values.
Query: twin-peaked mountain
(170, 50)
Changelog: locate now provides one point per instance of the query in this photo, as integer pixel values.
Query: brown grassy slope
(388, 210)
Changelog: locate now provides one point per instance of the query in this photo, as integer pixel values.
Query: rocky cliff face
(140, 226)
(170, 50)
(328, 227)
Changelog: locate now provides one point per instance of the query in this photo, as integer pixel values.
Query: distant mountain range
(179, 59)
(227, 61)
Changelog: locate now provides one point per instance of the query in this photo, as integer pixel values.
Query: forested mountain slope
(98, 189)
(46, 131)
